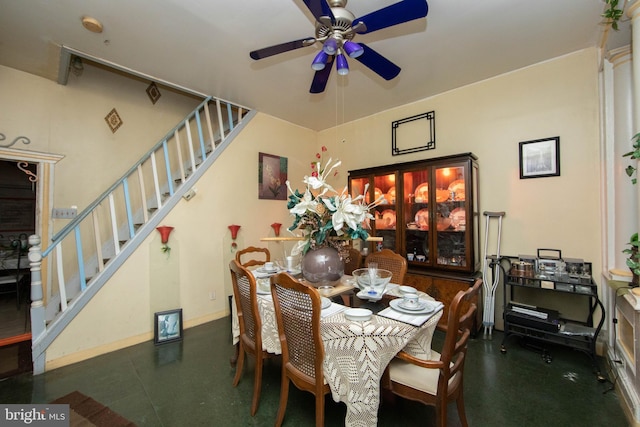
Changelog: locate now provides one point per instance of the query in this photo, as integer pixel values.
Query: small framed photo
(540, 158)
(168, 326)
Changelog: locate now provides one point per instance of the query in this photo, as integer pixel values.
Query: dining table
(356, 352)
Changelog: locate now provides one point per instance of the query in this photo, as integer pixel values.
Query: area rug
(86, 412)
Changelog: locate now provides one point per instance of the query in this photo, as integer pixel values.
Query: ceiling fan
(335, 29)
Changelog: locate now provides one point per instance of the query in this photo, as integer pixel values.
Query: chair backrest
(354, 262)
(249, 253)
(454, 349)
(297, 307)
(389, 260)
(246, 297)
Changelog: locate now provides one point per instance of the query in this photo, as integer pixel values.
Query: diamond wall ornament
(153, 92)
(113, 120)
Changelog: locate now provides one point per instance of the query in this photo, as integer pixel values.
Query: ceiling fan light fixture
(341, 65)
(330, 47)
(320, 61)
(352, 49)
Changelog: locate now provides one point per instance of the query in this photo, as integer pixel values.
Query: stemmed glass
(373, 275)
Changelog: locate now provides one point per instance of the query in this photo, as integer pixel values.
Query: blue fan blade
(319, 8)
(378, 63)
(397, 13)
(281, 48)
(321, 78)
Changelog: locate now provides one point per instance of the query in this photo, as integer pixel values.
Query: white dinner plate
(420, 305)
(395, 304)
(265, 271)
(326, 302)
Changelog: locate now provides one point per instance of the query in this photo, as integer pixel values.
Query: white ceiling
(204, 45)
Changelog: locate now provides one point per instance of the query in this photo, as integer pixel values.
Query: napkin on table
(334, 308)
(412, 319)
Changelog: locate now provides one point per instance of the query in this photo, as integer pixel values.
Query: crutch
(491, 262)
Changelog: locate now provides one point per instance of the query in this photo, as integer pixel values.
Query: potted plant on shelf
(612, 13)
(635, 155)
(633, 261)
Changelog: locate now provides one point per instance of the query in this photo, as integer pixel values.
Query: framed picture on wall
(540, 158)
(168, 326)
(272, 177)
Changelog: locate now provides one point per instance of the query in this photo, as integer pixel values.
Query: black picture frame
(540, 158)
(167, 326)
(420, 129)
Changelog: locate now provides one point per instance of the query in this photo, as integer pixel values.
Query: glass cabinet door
(415, 221)
(450, 213)
(356, 188)
(384, 189)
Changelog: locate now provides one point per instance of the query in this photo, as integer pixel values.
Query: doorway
(18, 197)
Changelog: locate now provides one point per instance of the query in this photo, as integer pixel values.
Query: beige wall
(69, 120)
(555, 98)
(489, 118)
(201, 247)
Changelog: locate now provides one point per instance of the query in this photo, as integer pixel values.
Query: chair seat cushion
(414, 376)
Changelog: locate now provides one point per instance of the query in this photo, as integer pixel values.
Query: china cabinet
(429, 211)
(430, 215)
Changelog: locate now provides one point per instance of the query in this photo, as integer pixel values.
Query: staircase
(83, 255)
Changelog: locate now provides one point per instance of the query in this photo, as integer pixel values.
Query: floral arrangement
(316, 165)
(327, 218)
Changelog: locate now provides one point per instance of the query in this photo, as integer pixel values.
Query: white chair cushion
(414, 376)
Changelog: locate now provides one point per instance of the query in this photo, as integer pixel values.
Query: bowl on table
(373, 282)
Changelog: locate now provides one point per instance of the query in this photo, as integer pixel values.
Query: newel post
(37, 304)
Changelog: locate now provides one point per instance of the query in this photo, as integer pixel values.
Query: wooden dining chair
(389, 260)
(297, 307)
(252, 256)
(245, 295)
(355, 261)
(438, 382)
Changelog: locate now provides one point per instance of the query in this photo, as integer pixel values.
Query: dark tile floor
(188, 383)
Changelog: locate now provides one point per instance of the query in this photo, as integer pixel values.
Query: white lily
(306, 203)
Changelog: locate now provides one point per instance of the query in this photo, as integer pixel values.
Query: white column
(625, 194)
(634, 12)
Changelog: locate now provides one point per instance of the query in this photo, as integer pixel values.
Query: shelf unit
(577, 334)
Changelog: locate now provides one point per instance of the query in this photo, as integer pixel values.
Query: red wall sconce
(164, 231)
(234, 233)
(276, 228)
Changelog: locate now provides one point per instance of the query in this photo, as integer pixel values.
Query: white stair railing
(86, 252)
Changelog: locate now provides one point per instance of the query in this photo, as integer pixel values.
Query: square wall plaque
(113, 120)
(153, 92)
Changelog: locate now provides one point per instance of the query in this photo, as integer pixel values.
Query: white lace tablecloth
(356, 354)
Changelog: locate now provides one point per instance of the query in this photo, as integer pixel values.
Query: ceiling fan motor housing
(339, 28)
